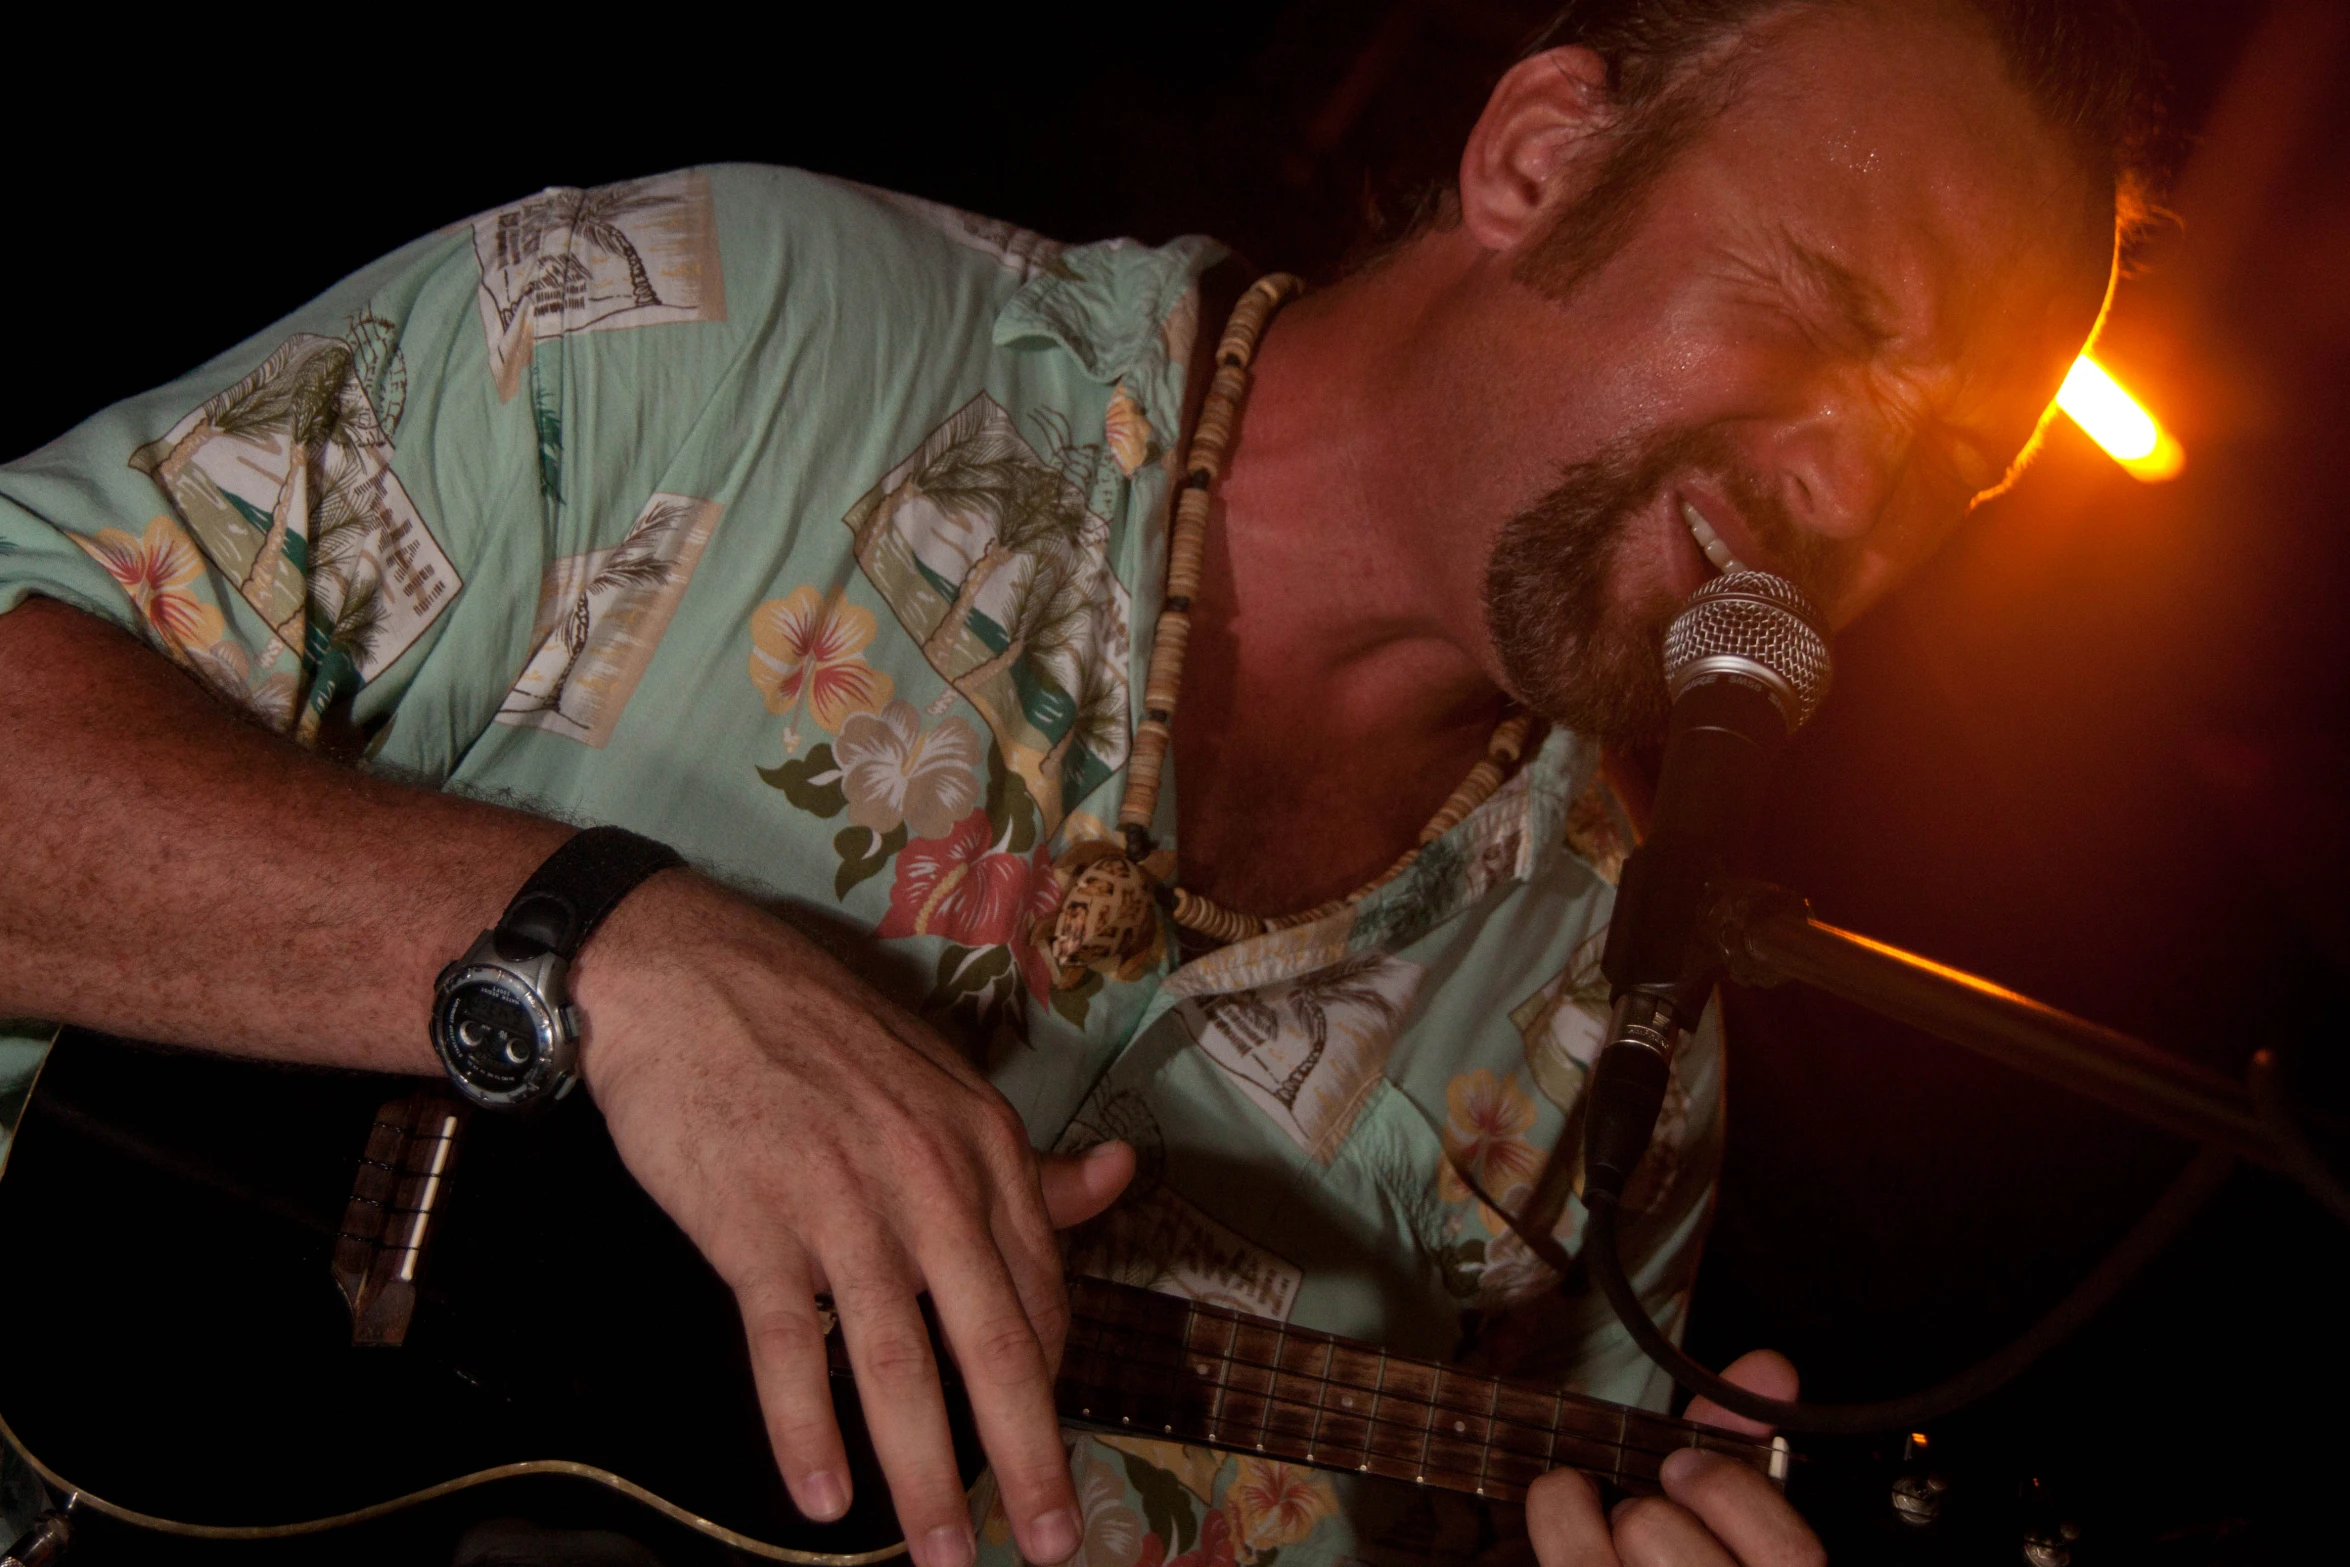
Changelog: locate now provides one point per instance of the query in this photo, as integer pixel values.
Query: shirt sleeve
(292, 521)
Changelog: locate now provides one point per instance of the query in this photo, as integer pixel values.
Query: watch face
(494, 1034)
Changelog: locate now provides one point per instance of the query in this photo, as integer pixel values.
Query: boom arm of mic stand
(1766, 934)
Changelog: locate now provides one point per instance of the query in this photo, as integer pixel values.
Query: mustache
(1633, 473)
(1569, 647)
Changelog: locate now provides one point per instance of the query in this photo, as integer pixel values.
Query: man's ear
(1535, 144)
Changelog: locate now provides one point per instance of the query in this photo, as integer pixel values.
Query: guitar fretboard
(1155, 1365)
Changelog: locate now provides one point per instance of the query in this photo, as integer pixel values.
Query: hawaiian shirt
(818, 532)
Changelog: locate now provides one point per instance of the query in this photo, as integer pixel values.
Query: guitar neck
(1147, 1364)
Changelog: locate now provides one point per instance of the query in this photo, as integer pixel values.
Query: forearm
(171, 872)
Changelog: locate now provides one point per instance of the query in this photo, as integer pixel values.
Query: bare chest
(1272, 819)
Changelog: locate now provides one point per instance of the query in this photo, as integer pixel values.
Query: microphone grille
(1754, 624)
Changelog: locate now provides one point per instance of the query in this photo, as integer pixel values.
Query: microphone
(1747, 664)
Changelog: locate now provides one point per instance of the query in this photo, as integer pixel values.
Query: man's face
(1843, 311)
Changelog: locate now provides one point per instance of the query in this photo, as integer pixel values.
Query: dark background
(2097, 751)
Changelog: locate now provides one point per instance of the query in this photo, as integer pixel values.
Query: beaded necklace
(1111, 886)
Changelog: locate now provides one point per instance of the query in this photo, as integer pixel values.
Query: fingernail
(1102, 1151)
(828, 1495)
(1054, 1536)
(948, 1545)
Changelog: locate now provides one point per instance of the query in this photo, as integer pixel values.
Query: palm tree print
(1254, 1018)
(642, 560)
(306, 393)
(523, 234)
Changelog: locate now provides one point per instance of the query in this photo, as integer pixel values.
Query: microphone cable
(2155, 1230)
(1747, 662)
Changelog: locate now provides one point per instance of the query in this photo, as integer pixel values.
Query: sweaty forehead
(1890, 138)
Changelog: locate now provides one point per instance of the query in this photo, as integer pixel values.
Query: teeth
(1709, 541)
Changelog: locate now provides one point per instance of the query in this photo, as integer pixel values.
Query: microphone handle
(1726, 731)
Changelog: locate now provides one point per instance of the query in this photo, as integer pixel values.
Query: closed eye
(1854, 305)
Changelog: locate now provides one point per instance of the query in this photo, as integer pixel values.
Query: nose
(1839, 461)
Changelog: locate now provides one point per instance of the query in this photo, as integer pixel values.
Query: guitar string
(1502, 1430)
(1669, 1433)
(1496, 1428)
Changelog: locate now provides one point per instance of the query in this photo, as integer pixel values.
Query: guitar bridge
(401, 1181)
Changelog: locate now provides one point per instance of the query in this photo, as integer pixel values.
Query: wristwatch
(502, 1019)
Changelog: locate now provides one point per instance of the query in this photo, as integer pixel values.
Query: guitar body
(177, 1347)
(246, 1302)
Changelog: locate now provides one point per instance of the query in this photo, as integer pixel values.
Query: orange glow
(2114, 420)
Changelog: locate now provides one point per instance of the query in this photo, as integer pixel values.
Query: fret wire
(1372, 1420)
(1183, 1366)
(1272, 1383)
(1321, 1402)
(1427, 1430)
(1485, 1454)
(1623, 1429)
(1223, 1377)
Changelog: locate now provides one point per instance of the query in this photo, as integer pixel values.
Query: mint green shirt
(819, 532)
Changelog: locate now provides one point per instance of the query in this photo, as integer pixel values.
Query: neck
(1349, 573)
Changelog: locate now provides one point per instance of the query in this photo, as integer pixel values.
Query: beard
(1571, 646)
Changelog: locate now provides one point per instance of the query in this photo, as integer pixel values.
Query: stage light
(2112, 418)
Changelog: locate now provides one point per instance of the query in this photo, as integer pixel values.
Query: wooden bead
(1213, 920)
(1165, 680)
(1146, 762)
(1509, 739)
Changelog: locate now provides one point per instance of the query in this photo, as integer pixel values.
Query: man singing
(1198, 781)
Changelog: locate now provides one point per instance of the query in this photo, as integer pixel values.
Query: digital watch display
(502, 1020)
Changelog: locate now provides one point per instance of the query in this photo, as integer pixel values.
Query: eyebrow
(1857, 301)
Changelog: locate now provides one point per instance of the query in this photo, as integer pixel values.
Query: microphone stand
(1766, 935)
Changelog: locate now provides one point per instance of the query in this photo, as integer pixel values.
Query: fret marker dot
(1460, 1425)
(1205, 1368)
(1346, 1403)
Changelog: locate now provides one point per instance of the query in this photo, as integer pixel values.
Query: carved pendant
(1108, 920)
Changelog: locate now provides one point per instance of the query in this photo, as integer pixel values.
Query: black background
(2096, 751)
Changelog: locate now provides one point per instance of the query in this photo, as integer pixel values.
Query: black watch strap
(568, 896)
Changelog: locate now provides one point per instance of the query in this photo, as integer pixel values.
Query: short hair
(2086, 66)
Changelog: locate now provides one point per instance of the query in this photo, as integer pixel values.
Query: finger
(1034, 1263)
(1079, 1186)
(1004, 1369)
(1742, 1509)
(1653, 1532)
(1564, 1520)
(795, 1388)
(1763, 1371)
(905, 1413)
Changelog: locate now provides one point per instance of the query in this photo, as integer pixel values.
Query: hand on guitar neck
(1715, 1512)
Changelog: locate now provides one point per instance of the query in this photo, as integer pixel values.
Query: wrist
(640, 954)
(504, 1021)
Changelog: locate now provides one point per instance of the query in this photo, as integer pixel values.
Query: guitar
(247, 1301)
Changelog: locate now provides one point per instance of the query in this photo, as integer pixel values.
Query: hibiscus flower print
(1274, 1504)
(805, 652)
(893, 772)
(1113, 1535)
(1485, 1127)
(967, 887)
(159, 571)
(961, 885)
